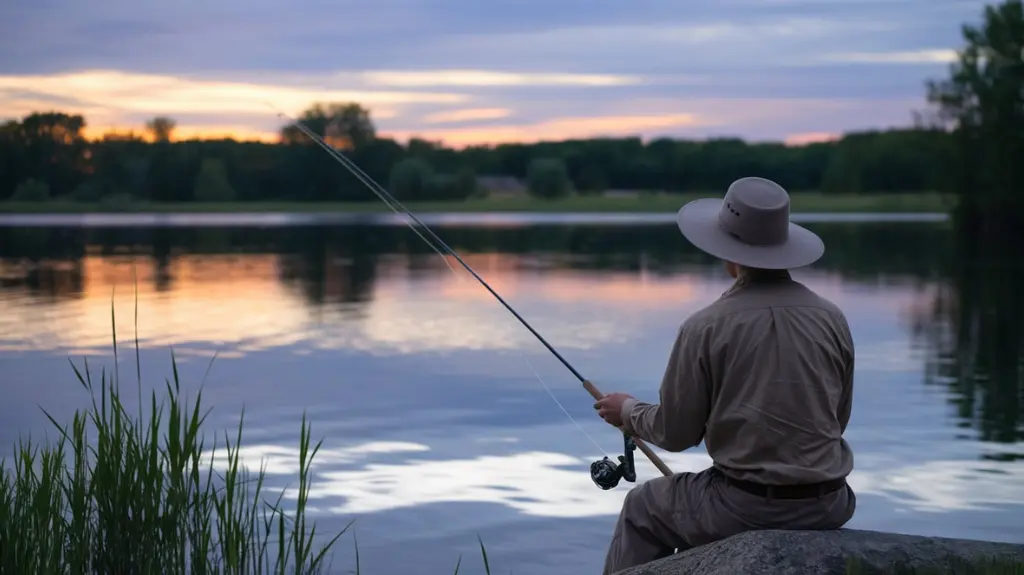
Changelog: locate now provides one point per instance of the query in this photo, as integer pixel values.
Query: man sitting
(764, 375)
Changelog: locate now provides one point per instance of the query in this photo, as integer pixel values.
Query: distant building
(502, 186)
(621, 193)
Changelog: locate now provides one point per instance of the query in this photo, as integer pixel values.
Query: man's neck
(757, 277)
(749, 276)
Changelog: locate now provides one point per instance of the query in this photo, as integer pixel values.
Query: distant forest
(44, 155)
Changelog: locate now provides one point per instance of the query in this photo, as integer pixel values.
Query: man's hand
(609, 407)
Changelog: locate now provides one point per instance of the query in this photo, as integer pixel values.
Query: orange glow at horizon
(551, 130)
(456, 138)
(117, 102)
(183, 133)
(106, 98)
(459, 108)
(435, 105)
(805, 138)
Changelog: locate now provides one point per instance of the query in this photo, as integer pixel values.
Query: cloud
(106, 96)
(911, 57)
(414, 79)
(701, 47)
(246, 108)
(469, 115)
(113, 100)
(162, 93)
(419, 64)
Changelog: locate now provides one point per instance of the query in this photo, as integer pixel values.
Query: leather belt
(801, 491)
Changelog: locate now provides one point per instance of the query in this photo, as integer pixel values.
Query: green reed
(118, 492)
(126, 493)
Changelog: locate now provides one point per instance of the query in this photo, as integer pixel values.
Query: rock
(842, 552)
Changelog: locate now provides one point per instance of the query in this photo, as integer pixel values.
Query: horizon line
(100, 133)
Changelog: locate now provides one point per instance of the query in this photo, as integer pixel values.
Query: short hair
(755, 273)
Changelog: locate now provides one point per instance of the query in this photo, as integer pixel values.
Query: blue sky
(472, 71)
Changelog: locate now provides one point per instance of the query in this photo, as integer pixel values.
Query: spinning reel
(607, 474)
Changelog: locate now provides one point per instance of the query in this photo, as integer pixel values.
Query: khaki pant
(686, 510)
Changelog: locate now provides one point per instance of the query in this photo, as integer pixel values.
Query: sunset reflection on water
(242, 303)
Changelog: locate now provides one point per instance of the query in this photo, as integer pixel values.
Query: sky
(484, 72)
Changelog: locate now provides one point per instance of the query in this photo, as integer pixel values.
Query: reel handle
(640, 444)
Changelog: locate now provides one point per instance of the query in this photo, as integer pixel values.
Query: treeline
(970, 144)
(44, 155)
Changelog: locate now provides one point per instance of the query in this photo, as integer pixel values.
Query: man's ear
(732, 269)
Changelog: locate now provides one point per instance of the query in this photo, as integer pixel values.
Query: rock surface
(830, 552)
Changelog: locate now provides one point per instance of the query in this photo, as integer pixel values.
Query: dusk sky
(484, 71)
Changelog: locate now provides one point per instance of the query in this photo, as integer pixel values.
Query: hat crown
(756, 212)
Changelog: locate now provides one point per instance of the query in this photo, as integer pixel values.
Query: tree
(161, 128)
(548, 178)
(465, 184)
(31, 191)
(344, 126)
(212, 184)
(411, 179)
(982, 102)
(452, 187)
(50, 148)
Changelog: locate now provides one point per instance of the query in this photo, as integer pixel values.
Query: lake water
(436, 429)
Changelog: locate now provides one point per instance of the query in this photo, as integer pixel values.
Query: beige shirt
(765, 376)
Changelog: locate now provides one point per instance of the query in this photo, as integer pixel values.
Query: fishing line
(401, 210)
(559, 404)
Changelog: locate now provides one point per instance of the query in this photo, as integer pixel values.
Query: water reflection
(260, 288)
(975, 332)
(238, 286)
(547, 484)
(414, 377)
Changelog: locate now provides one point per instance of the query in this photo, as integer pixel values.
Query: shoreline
(802, 202)
(439, 219)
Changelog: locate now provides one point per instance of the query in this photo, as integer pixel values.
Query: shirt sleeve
(846, 398)
(676, 423)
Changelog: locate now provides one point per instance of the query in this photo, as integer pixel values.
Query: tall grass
(126, 493)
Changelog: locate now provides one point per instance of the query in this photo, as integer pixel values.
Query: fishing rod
(605, 473)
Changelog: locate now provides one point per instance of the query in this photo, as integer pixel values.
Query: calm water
(435, 427)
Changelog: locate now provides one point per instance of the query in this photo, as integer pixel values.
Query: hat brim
(698, 222)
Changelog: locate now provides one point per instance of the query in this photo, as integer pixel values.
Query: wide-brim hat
(750, 226)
